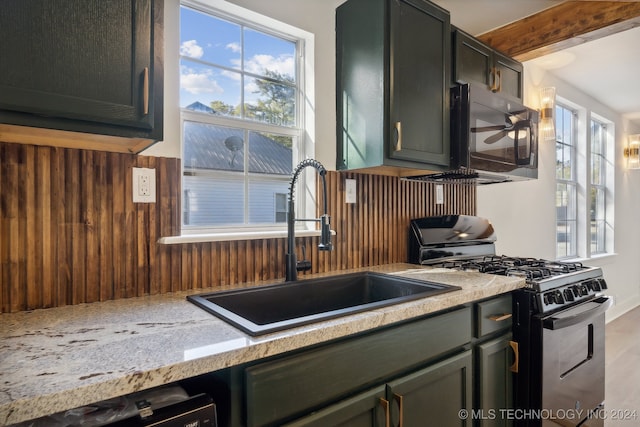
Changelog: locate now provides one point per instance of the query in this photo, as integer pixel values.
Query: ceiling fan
(513, 124)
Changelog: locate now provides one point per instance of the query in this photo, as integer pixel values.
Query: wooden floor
(623, 370)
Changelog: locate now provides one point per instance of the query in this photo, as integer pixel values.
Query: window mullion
(247, 153)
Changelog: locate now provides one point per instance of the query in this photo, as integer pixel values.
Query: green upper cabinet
(393, 62)
(477, 62)
(91, 66)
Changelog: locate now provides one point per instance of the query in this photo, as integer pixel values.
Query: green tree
(277, 102)
(222, 108)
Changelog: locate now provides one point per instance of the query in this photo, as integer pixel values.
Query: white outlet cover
(144, 185)
(439, 194)
(350, 191)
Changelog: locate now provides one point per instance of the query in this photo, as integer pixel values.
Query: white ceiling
(607, 69)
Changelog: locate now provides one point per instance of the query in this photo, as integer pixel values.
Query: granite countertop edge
(58, 359)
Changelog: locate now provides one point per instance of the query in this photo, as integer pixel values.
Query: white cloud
(284, 64)
(191, 49)
(198, 82)
(234, 47)
(230, 75)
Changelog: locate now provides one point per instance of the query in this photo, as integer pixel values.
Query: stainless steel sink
(265, 309)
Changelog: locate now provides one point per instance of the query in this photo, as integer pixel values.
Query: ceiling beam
(568, 24)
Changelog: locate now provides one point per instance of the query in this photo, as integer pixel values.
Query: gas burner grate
(561, 267)
(480, 265)
(530, 268)
(530, 272)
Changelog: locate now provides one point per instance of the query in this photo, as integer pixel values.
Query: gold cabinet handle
(492, 79)
(387, 415)
(398, 398)
(500, 317)
(499, 80)
(516, 352)
(398, 127)
(145, 91)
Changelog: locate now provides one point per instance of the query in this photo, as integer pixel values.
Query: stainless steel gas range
(558, 320)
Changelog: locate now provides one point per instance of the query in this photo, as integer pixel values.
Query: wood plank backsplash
(70, 233)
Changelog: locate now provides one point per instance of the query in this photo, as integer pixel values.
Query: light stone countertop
(56, 359)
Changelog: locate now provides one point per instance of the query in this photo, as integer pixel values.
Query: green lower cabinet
(363, 410)
(290, 387)
(433, 371)
(434, 395)
(495, 382)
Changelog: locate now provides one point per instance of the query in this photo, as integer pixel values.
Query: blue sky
(218, 42)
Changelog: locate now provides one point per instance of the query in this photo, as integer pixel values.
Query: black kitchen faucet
(292, 266)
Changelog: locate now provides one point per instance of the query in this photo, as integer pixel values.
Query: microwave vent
(460, 176)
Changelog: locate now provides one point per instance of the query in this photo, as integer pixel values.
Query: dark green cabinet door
(476, 62)
(420, 64)
(361, 81)
(367, 409)
(473, 61)
(78, 60)
(434, 396)
(393, 65)
(510, 75)
(495, 381)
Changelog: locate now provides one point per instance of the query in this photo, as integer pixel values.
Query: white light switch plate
(439, 194)
(350, 191)
(144, 185)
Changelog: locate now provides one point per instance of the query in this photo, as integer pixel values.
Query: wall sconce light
(547, 125)
(632, 152)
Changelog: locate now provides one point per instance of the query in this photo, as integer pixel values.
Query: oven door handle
(575, 315)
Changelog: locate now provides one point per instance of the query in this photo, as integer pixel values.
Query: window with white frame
(598, 188)
(584, 216)
(566, 183)
(240, 98)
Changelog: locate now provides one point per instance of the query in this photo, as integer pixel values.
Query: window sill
(600, 258)
(239, 235)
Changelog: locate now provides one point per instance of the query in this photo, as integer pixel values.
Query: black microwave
(492, 135)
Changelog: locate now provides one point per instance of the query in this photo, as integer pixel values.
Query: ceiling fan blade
(488, 128)
(496, 137)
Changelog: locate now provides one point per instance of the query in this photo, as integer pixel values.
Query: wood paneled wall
(70, 233)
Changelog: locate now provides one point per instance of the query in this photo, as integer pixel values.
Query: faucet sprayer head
(325, 233)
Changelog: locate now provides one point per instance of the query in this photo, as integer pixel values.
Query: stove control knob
(595, 285)
(549, 298)
(568, 295)
(558, 297)
(577, 290)
(603, 284)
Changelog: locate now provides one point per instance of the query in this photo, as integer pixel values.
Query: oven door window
(500, 142)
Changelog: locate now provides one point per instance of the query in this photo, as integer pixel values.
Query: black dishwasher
(164, 406)
(196, 411)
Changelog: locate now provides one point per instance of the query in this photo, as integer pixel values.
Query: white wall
(523, 212)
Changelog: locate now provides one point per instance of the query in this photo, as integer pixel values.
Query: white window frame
(598, 234)
(570, 182)
(582, 181)
(609, 187)
(303, 132)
